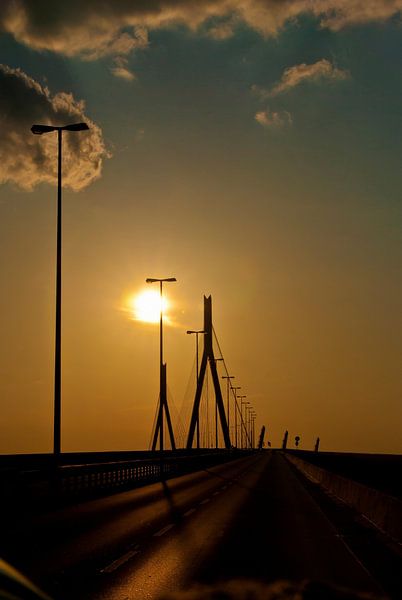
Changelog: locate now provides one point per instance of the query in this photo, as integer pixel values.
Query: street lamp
(246, 418)
(162, 379)
(249, 412)
(242, 403)
(39, 130)
(197, 333)
(252, 425)
(235, 388)
(228, 378)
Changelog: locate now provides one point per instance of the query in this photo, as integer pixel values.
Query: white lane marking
(189, 512)
(205, 501)
(225, 487)
(119, 561)
(216, 493)
(163, 530)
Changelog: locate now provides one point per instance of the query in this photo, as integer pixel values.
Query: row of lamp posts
(38, 129)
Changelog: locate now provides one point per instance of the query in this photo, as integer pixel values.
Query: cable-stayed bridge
(211, 508)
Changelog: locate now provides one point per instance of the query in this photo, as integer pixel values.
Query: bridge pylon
(163, 410)
(208, 357)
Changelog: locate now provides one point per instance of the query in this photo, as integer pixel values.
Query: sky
(249, 148)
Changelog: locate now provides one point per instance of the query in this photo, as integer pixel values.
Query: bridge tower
(208, 357)
(163, 409)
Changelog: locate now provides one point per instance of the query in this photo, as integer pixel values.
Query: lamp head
(39, 129)
(76, 127)
(154, 279)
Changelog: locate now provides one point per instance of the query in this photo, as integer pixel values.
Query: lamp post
(235, 388)
(162, 379)
(228, 378)
(251, 415)
(39, 130)
(242, 403)
(197, 333)
(246, 425)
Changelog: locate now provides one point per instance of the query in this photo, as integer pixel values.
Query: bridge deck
(251, 518)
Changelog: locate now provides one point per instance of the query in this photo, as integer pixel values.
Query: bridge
(219, 511)
(210, 518)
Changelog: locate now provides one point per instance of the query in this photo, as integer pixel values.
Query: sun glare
(147, 305)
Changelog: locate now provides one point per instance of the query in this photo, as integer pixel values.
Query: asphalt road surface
(251, 518)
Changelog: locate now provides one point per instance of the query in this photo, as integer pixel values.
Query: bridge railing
(40, 480)
(382, 510)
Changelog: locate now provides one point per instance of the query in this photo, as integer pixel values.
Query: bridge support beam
(163, 410)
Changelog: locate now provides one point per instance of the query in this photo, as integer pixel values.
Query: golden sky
(253, 154)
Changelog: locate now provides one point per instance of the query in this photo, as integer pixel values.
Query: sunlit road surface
(250, 518)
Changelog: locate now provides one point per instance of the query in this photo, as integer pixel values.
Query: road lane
(281, 533)
(267, 528)
(251, 518)
(92, 535)
(173, 560)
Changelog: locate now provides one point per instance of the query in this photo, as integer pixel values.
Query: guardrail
(39, 480)
(383, 510)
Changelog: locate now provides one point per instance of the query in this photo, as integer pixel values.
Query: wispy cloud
(272, 119)
(27, 159)
(294, 76)
(120, 69)
(92, 29)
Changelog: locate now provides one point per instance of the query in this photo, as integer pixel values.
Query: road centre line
(189, 512)
(119, 561)
(205, 501)
(163, 530)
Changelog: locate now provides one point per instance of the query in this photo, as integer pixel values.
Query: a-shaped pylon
(208, 357)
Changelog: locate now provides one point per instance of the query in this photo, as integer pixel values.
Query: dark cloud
(27, 159)
(115, 27)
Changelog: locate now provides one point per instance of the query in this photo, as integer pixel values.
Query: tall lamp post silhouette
(235, 388)
(197, 333)
(242, 403)
(162, 374)
(249, 410)
(253, 415)
(39, 130)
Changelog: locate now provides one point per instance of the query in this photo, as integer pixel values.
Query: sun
(146, 306)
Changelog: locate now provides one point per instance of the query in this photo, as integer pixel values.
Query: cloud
(338, 14)
(223, 29)
(121, 69)
(93, 29)
(294, 76)
(27, 159)
(123, 73)
(273, 120)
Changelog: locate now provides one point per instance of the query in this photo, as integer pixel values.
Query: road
(250, 518)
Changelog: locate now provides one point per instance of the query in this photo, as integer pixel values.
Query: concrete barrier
(384, 511)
